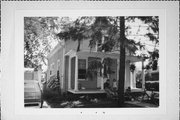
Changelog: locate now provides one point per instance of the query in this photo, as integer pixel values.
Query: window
(81, 68)
(100, 43)
(51, 69)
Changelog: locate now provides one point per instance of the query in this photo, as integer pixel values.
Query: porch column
(76, 74)
(69, 75)
(102, 77)
(143, 76)
(128, 75)
(63, 70)
(131, 79)
(134, 79)
(117, 71)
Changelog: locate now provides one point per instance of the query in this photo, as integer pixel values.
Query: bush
(50, 95)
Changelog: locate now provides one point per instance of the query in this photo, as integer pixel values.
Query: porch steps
(88, 93)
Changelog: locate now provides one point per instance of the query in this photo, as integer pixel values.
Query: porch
(76, 64)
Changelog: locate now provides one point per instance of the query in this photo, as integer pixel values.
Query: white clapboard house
(72, 67)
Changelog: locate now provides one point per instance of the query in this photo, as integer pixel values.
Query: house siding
(72, 45)
(87, 84)
(54, 60)
(58, 55)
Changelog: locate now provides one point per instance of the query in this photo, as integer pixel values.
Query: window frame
(51, 72)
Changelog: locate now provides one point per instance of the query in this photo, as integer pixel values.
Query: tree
(122, 62)
(38, 35)
(76, 30)
(153, 61)
(153, 35)
(116, 39)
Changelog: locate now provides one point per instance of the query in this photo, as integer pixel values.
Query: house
(72, 67)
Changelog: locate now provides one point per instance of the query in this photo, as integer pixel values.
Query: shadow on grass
(56, 100)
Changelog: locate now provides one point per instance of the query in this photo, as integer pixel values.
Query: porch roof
(131, 58)
(71, 53)
(111, 55)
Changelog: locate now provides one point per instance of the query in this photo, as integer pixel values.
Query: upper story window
(101, 42)
(82, 69)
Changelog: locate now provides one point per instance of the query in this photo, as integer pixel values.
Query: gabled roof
(71, 53)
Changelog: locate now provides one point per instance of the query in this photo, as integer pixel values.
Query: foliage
(38, 32)
(50, 95)
(107, 62)
(152, 23)
(148, 67)
(93, 68)
(153, 61)
(132, 67)
(76, 30)
(51, 91)
(53, 83)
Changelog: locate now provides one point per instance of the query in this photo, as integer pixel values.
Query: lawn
(56, 100)
(84, 102)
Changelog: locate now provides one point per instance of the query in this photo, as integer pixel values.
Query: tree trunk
(121, 63)
(79, 44)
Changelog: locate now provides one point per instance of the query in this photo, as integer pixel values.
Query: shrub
(50, 95)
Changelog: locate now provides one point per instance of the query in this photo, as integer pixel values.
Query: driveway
(45, 105)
